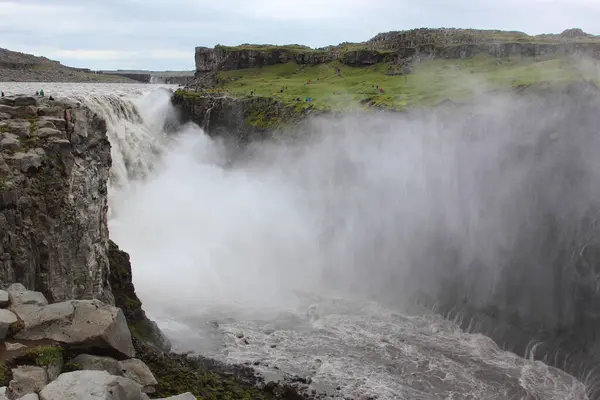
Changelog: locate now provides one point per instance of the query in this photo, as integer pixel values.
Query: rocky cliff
(70, 320)
(400, 46)
(54, 166)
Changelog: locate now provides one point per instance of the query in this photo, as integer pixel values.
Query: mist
(489, 205)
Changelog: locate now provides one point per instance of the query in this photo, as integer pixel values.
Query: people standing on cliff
(42, 92)
(37, 92)
(3, 94)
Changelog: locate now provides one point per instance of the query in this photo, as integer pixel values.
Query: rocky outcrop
(401, 47)
(54, 168)
(225, 58)
(239, 120)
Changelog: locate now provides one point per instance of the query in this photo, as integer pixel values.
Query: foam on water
(232, 263)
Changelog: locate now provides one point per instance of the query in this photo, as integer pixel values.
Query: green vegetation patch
(335, 86)
(42, 355)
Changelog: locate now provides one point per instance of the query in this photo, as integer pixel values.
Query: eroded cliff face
(230, 58)
(54, 167)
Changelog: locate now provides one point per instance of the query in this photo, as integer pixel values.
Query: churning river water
(264, 261)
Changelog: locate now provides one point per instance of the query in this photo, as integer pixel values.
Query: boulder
(18, 296)
(3, 298)
(7, 318)
(28, 379)
(3, 393)
(97, 363)
(185, 396)
(91, 385)
(139, 372)
(79, 323)
(9, 142)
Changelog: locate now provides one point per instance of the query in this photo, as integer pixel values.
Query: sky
(162, 34)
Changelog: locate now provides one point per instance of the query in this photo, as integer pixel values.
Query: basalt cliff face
(70, 320)
(54, 167)
(400, 47)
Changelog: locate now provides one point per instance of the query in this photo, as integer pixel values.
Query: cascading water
(276, 260)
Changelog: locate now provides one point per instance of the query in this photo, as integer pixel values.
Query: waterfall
(206, 124)
(135, 129)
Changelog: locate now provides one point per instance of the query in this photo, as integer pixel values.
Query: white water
(232, 262)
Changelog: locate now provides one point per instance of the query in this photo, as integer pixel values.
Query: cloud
(155, 34)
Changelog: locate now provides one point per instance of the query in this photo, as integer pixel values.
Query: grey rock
(4, 116)
(9, 142)
(97, 363)
(7, 318)
(91, 385)
(81, 322)
(65, 254)
(14, 346)
(53, 122)
(4, 393)
(16, 287)
(184, 396)
(28, 379)
(26, 297)
(3, 298)
(29, 161)
(18, 127)
(48, 132)
(25, 101)
(139, 372)
(31, 396)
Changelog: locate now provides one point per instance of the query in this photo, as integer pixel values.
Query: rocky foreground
(71, 325)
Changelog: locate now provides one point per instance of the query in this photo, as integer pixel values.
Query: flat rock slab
(7, 318)
(91, 385)
(81, 323)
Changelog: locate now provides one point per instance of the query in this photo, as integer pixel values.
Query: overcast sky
(162, 34)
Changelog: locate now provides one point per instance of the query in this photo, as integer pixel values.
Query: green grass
(427, 84)
(44, 355)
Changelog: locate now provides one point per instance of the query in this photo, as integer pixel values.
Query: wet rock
(91, 385)
(28, 379)
(18, 296)
(81, 323)
(139, 372)
(29, 161)
(9, 142)
(7, 318)
(97, 363)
